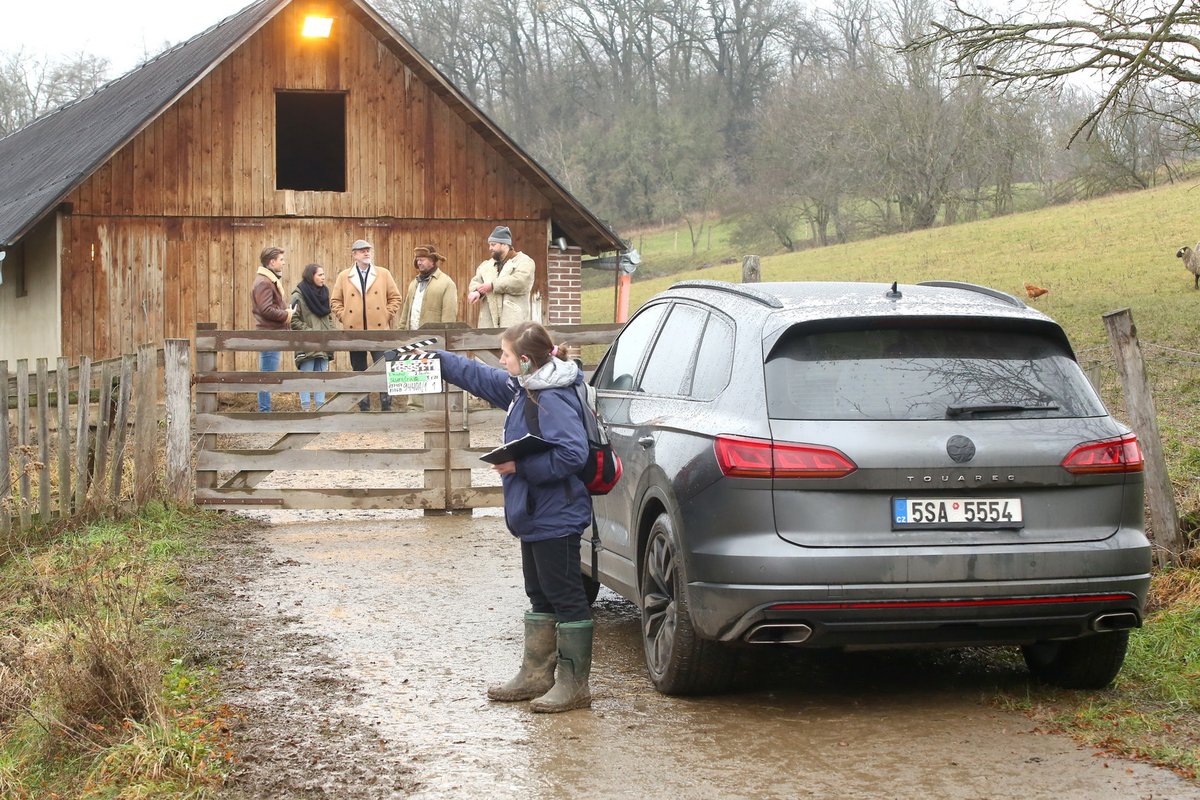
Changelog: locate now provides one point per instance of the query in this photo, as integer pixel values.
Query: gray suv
(847, 465)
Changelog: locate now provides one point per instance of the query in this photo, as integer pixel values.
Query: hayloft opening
(310, 141)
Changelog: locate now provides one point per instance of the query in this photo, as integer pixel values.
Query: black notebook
(527, 445)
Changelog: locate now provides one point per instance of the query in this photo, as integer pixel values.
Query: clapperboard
(413, 373)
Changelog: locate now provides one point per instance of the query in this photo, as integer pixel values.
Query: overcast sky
(123, 31)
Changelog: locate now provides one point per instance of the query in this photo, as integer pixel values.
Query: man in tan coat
(365, 297)
(432, 295)
(503, 283)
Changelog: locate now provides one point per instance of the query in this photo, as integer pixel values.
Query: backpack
(602, 469)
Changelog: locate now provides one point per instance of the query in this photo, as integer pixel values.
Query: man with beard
(503, 283)
(270, 314)
(431, 297)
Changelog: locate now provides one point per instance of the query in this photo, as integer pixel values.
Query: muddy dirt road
(361, 650)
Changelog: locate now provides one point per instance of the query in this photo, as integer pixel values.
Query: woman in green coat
(310, 298)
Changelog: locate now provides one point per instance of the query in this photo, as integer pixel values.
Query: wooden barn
(133, 214)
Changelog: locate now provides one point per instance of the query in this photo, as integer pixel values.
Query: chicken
(1034, 292)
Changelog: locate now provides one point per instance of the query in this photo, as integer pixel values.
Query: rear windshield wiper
(994, 408)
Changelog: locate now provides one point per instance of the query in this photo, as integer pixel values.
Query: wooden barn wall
(129, 281)
(213, 152)
(167, 232)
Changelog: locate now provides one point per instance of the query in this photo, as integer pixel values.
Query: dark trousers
(358, 363)
(552, 578)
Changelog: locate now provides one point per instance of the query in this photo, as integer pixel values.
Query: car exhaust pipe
(778, 633)
(1115, 621)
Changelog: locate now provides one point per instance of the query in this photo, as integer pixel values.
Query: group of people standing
(366, 297)
(547, 506)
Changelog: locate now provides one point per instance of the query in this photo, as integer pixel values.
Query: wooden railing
(69, 436)
(230, 474)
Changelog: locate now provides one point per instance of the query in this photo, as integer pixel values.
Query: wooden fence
(230, 472)
(81, 439)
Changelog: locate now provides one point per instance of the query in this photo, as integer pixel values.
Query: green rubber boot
(537, 666)
(574, 665)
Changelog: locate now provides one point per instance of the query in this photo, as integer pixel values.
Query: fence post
(43, 429)
(178, 370)
(751, 269)
(26, 500)
(5, 465)
(145, 424)
(83, 405)
(62, 380)
(1164, 520)
(206, 361)
(103, 427)
(121, 425)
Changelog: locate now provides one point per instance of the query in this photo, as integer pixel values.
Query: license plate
(952, 512)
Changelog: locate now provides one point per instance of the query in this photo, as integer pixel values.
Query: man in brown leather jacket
(270, 312)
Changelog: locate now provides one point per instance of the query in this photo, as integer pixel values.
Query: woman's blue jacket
(544, 499)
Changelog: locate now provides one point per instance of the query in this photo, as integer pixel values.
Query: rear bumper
(1014, 612)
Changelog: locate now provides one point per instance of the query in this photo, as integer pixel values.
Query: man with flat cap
(503, 283)
(365, 297)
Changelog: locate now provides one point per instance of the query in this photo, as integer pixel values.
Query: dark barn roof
(44, 161)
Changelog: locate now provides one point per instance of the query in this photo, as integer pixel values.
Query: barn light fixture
(317, 27)
(2, 255)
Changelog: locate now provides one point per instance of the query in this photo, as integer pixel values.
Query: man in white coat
(502, 283)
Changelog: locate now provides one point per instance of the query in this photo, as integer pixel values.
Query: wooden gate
(230, 472)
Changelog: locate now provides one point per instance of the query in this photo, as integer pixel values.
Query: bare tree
(1126, 44)
(31, 86)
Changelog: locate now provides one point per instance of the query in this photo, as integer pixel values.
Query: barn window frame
(310, 140)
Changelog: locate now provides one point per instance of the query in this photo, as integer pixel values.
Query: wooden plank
(63, 401)
(5, 462)
(23, 455)
(1160, 495)
(325, 460)
(121, 427)
(43, 432)
(322, 498)
(145, 425)
(103, 428)
(206, 361)
(82, 432)
(179, 421)
(217, 382)
(291, 341)
(315, 422)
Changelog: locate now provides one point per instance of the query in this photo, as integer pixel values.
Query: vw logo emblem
(961, 449)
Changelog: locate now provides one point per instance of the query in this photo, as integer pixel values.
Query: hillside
(1095, 256)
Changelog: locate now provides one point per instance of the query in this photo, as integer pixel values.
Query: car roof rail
(757, 295)
(974, 287)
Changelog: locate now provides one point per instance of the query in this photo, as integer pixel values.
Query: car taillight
(743, 457)
(1120, 454)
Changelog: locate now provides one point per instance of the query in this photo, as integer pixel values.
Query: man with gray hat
(365, 297)
(502, 283)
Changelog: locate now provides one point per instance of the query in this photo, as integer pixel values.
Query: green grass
(97, 697)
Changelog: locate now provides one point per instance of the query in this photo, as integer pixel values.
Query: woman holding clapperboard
(546, 506)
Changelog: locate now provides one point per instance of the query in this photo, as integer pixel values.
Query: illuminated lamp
(317, 27)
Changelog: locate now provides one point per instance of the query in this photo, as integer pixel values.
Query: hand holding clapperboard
(410, 372)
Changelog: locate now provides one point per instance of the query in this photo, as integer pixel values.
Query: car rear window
(921, 373)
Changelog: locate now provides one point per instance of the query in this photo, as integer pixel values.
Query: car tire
(1087, 663)
(679, 661)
